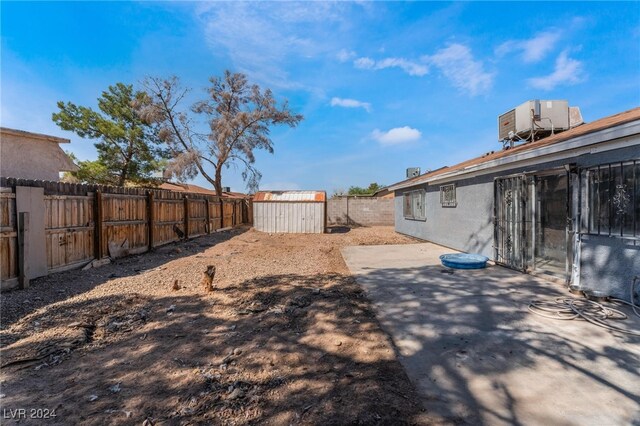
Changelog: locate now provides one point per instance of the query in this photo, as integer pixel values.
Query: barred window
(613, 199)
(448, 195)
(414, 205)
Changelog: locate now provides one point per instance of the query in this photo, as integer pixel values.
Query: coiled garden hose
(589, 310)
(632, 297)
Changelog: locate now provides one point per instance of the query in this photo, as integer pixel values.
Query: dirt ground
(285, 337)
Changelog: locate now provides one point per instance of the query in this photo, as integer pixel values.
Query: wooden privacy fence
(87, 222)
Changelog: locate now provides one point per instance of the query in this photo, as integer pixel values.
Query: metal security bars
(612, 199)
(414, 205)
(512, 222)
(448, 195)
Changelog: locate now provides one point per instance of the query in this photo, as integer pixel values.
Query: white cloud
(262, 38)
(567, 71)
(396, 136)
(345, 55)
(533, 49)
(350, 103)
(364, 63)
(410, 67)
(456, 62)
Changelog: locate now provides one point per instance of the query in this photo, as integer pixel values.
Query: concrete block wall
(360, 211)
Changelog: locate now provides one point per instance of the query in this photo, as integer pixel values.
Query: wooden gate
(8, 237)
(69, 229)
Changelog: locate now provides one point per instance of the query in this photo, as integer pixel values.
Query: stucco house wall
(467, 227)
(607, 264)
(29, 155)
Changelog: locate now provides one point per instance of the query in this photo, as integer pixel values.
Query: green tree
(238, 117)
(128, 148)
(372, 189)
(88, 172)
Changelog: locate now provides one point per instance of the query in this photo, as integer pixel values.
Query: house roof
(53, 154)
(381, 192)
(585, 129)
(290, 196)
(31, 135)
(187, 187)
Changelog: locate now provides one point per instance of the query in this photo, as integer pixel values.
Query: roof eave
(39, 136)
(623, 130)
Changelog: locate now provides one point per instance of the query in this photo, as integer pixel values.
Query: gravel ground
(286, 336)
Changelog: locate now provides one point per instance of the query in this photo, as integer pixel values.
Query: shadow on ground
(338, 229)
(278, 349)
(44, 291)
(478, 356)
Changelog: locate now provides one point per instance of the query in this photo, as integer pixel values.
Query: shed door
(510, 227)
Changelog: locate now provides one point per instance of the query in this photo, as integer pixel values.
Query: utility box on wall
(301, 212)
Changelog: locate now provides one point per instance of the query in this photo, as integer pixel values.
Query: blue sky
(382, 86)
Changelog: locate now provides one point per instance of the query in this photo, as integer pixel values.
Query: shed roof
(187, 187)
(585, 129)
(290, 196)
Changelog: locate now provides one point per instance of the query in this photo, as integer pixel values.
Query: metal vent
(575, 117)
(413, 172)
(506, 124)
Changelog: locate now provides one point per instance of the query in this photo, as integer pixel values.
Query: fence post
(245, 217)
(207, 228)
(348, 218)
(97, 204)
(186, 217)
(326, 213)
(151, 217)
(233, 214)
(23, 249)
(221, 213)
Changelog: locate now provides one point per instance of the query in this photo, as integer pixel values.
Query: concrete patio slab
(478, 356)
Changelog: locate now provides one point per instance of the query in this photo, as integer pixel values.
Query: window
(414, 205)
(613, 199)
(448, 195)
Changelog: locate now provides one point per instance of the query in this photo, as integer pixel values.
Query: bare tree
(239, 117)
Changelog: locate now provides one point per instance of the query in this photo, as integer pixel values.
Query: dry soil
(285, 337)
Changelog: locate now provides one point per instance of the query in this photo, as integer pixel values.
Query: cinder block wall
(360, 211)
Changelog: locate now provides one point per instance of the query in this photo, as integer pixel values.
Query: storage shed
(302, 212)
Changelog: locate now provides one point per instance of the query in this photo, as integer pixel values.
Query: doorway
(531, 223)
(550, 225)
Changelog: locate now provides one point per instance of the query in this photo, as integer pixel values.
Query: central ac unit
(533, 120)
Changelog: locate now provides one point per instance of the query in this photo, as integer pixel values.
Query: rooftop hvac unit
(534, 120)
(163, 174)
(413, 172)
(226, 189)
